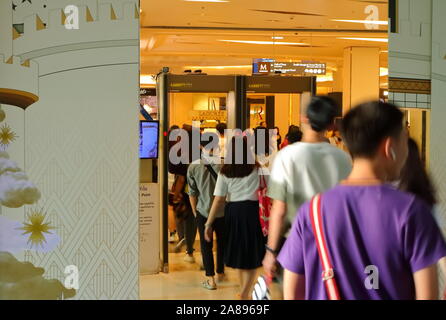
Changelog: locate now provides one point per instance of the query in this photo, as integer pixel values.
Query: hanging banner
(149, 228)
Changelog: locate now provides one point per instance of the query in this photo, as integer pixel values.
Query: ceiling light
(366, 39)
(326, 78)
(146, 79)
(206, 0)
(383, 72)
(267, 42)
(220, 67)
(277, 38)
(378, 22)
(386, 93)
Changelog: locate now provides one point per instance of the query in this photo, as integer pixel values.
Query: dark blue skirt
(244, 240)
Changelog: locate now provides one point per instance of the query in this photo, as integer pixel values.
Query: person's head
(221, 127)
(374, 131)
(414, 178)
(320, 113)
(294, 134)
(262, 124)
(277, 131)
(261, 141)
(239, 161)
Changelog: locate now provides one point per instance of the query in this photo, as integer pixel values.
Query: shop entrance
(276, 102)
(239, 101)
(190, 100)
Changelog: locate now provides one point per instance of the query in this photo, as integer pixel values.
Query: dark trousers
(187, 228)
(206, 247)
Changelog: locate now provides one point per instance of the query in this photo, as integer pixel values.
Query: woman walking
(237, 183)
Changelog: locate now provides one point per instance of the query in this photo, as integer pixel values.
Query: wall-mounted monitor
(148, 139)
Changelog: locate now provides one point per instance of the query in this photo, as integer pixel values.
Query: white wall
(80, 142)
(410, 48)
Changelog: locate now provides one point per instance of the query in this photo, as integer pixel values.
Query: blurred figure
(221, 127)
(277, 137)
(263, 148)
(414, 178)
(201, 179)
(185, 220)
(237, 183)
(294, 135)
(369, 226)
(301, 170)
(171, 179)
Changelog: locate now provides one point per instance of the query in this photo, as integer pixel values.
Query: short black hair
(221, 128)
(238, 170)
(367, 125)
(294, 134)
(321, 113)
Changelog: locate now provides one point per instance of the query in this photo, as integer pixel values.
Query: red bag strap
(328, 276)
(262, 181)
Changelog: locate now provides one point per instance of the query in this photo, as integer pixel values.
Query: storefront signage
(200, 115)
(278, 84)
(200, 83)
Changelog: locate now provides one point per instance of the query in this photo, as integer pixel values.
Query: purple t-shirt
(364, 226)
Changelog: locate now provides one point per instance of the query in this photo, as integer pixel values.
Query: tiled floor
(183, 282)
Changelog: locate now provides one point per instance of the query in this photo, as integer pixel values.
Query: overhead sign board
(303, 68)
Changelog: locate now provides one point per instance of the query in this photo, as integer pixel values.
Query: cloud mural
(24, 281)
(16, 189)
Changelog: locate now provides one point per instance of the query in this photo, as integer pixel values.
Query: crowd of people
(342, 225)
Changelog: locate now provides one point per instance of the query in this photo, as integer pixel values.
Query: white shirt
(238, 189)
(301, 170)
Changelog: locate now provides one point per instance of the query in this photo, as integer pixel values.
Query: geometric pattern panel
(82, 152)
(410, 85)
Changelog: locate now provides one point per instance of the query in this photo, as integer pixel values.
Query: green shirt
(201, 185)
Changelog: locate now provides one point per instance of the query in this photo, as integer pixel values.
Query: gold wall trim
(410, 85)
(17, 98)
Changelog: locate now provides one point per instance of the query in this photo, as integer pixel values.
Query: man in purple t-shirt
(383, 243)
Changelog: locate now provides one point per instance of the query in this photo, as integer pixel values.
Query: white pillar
(361, 76)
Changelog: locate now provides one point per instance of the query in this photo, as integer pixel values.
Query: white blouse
(238, 189)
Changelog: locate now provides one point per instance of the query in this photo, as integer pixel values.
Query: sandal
(208, 286)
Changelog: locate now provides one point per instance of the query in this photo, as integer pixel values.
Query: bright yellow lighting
(267, 42)
(366, 39)
(383, 72)
(219, 67)
(146, 79)
(378, 22)
(206, 0)
(326, 78)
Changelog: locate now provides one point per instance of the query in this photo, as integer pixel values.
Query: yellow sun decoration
(6, 135)
(36, 226)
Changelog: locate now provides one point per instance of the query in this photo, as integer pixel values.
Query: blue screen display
(148, 139)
